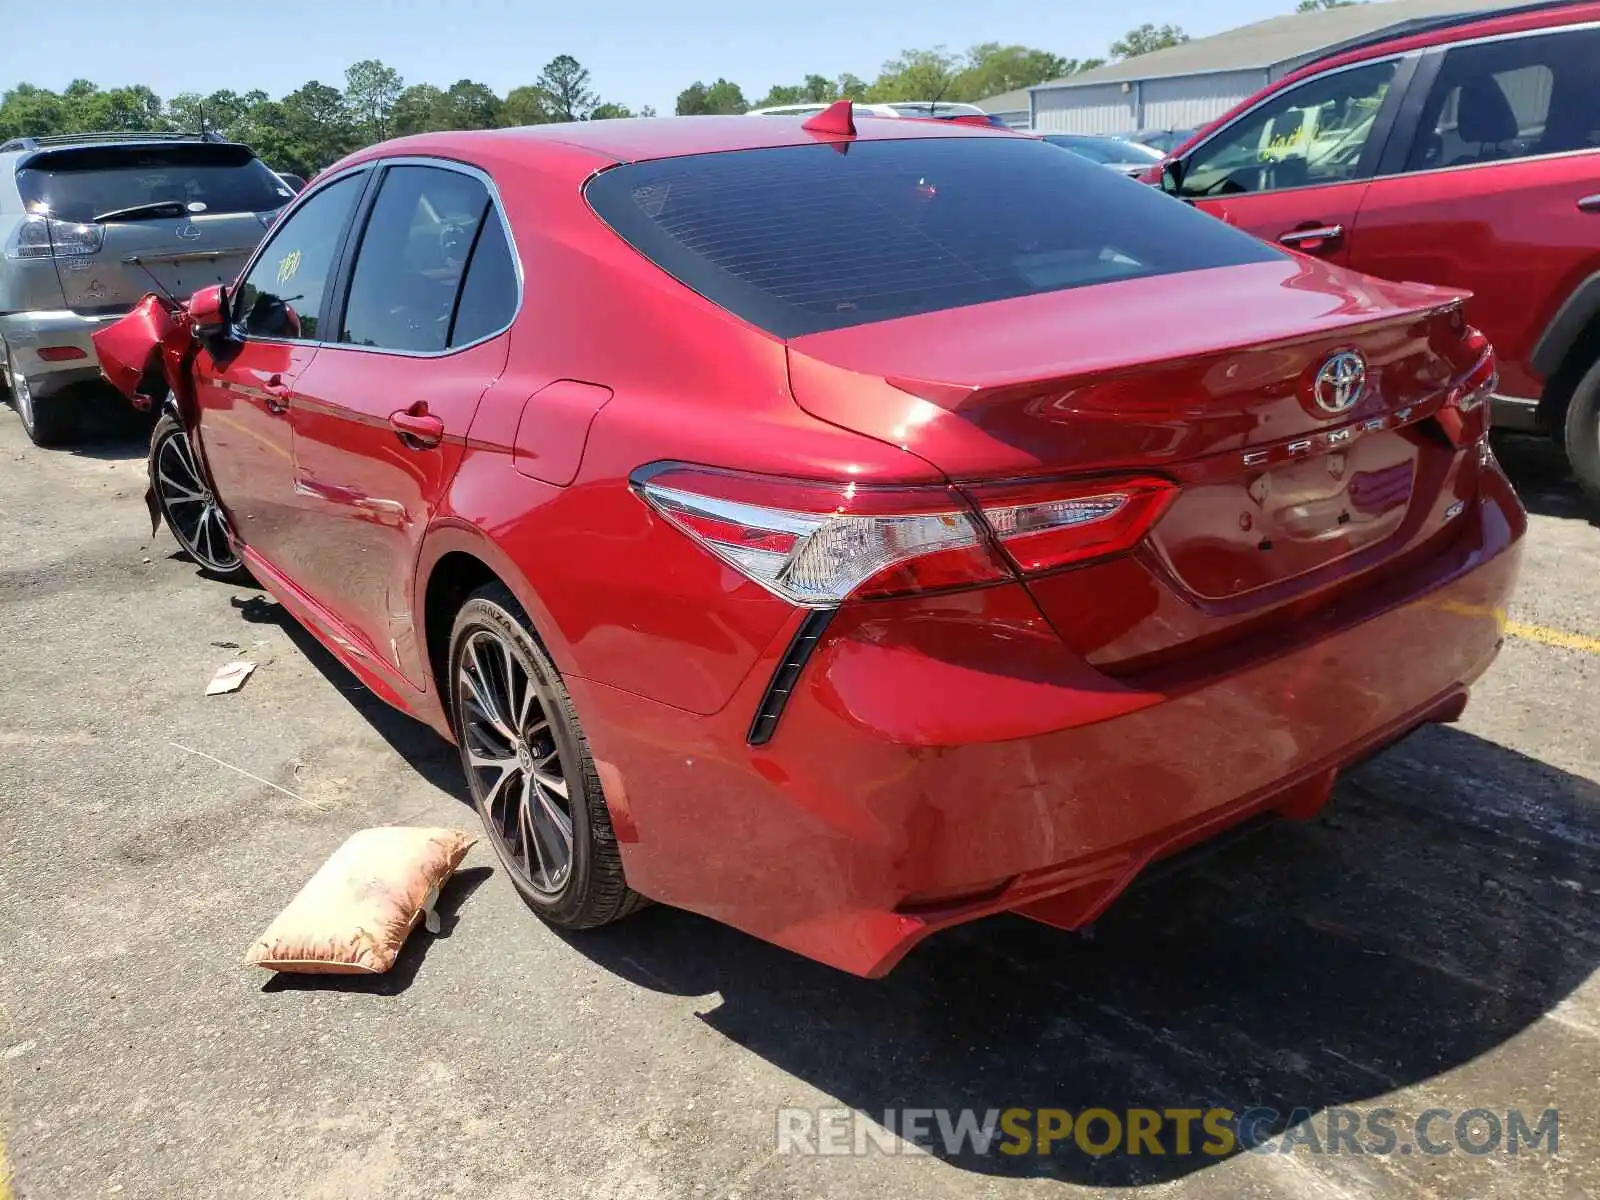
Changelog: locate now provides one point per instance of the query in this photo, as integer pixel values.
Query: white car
(943, 109)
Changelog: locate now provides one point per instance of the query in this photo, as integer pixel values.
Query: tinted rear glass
(76, 184)
(806, 238)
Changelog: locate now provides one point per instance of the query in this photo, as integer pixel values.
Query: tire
(1583, 434)
(48, 421)
(198, 524)
(503, 683)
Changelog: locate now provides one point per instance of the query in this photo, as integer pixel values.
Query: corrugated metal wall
(1099, 108)
(1183, 102)
(1191, 100)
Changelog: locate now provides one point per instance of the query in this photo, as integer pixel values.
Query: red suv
(1462, 151)
(807, 526)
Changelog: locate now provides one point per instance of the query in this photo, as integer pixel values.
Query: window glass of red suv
(1512, 98)
(282, 294)
(800, 239)
(413, 256)
(1312, 133)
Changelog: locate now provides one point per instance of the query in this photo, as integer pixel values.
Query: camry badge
(1340, 382)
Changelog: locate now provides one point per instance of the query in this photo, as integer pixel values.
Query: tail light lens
(1042, 526)
(38, 236)
(815, 544)
(1465, 415)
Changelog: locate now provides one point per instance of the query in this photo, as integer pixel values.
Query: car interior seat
(1484, 118)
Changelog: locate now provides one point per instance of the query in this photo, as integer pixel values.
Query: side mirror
(210, 312)
(1172, 176)
(208, 309)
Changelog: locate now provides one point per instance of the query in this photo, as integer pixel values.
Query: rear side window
(489, 295)
(413, 255)
(1511, 99)
(77, 184)
(807, 238)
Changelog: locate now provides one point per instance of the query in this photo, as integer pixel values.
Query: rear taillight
(1466, 411)
(38, 236)
(1042, 526)
(816, 544)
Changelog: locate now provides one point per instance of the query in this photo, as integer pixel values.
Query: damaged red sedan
(842, 531)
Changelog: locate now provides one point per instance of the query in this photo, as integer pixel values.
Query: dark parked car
(1130, 158)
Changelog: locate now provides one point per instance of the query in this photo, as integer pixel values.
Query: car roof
(637, 139)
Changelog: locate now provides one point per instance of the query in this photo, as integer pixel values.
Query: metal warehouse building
(1185, 86)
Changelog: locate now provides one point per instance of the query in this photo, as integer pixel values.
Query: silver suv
(91, 222)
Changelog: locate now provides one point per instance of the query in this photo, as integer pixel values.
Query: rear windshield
(77, 184)
(801, 239)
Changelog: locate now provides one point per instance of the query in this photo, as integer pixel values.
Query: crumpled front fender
(147, 357)
(148, 353)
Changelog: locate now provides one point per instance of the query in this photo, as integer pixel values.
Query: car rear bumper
(940, 759)
(61, 330)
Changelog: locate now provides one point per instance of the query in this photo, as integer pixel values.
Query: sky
(637, 53)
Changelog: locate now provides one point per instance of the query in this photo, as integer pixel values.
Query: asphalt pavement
(1429, 943)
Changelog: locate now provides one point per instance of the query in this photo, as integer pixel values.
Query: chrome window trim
(495, 201)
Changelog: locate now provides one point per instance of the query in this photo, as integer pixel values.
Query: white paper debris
(229, 678)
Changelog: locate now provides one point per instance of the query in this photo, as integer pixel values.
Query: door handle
(1590, 204)
(417, 427)
(1321, 233)
(277, 394)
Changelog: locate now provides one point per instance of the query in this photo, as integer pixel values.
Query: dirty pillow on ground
(354, 914)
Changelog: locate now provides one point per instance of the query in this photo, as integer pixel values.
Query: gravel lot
(1430, 941)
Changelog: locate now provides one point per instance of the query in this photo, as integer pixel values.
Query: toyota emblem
(1341, 382)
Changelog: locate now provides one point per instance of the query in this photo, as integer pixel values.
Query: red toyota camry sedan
(842, 531)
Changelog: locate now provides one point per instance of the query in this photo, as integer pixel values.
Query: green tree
(850, 87)
(781, 93)
(566, 82)
(816, 89)
(371, 90)
(1147, 38)
(526, 105)
(992, 68)
(415, 109)
(29, 111)
(917, 75)
(317, 128)
(608, 110)
(467, 104)
(699, 99)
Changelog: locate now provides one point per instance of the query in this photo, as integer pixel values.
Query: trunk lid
(1210, 378)
(174, 256)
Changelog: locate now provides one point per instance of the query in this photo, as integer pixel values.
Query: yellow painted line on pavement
(1554, 637)
(1542, 634)
(5, 1172)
